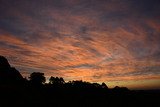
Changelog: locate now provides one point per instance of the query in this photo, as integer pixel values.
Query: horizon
(107, 83)
(111, 41)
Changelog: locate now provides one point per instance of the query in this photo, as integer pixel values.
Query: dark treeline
(35, 92)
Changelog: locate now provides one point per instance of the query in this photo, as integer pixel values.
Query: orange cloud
(99, 42)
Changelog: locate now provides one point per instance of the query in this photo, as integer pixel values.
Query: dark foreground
(57, 97)
(16, 91)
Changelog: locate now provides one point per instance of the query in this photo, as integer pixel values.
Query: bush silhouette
(37, 78)
(56, 80)
(104, 85)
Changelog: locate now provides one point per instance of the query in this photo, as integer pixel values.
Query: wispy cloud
(92, 40)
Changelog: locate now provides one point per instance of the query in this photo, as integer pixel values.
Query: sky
(111, 41)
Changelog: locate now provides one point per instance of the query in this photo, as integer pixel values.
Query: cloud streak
(77, 39)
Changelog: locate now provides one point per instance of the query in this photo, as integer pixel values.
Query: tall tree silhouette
(37, 78)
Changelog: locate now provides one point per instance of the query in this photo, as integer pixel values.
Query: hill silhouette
(8, 74)
(34, 92)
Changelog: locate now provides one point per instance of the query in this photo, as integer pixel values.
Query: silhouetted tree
(96, 85)
(104, 85)
(80, 84)
(37, 78)
(116, 88)
(120, 89)
(56, 80)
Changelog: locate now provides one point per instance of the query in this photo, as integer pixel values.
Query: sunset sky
(111, 41)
